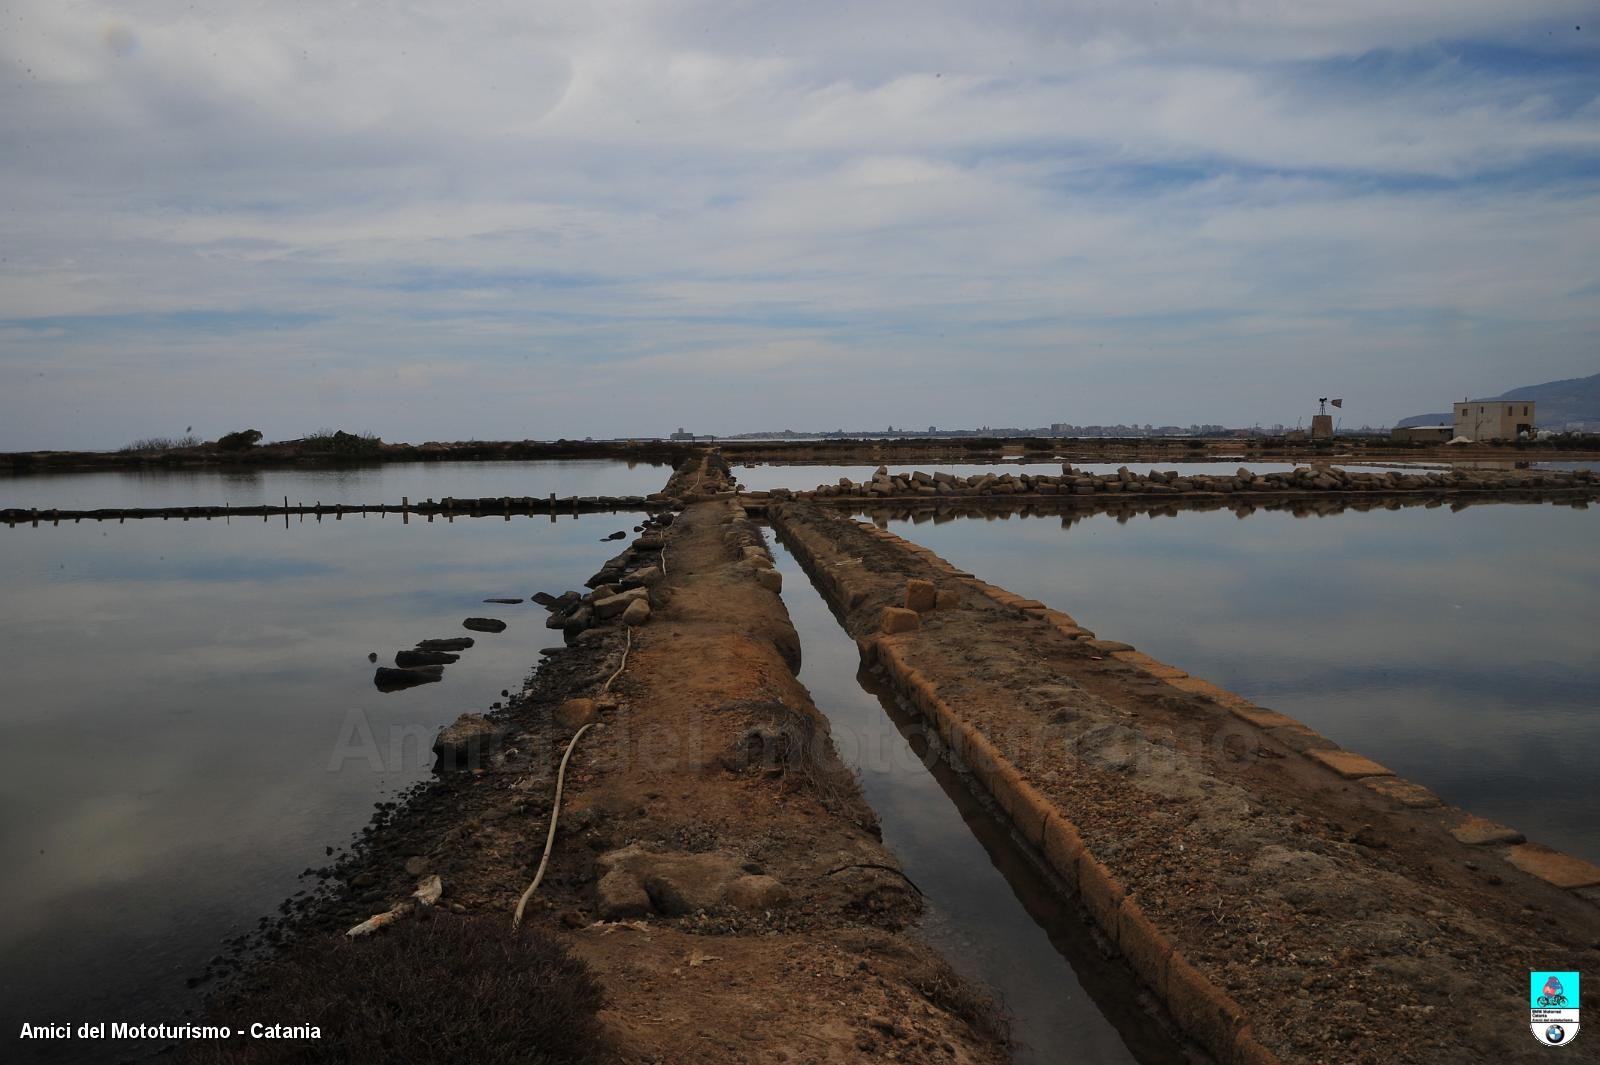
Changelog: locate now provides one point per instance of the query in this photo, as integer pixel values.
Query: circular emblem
(1555, 1033)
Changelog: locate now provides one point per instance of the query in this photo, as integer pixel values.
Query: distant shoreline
(830, 451)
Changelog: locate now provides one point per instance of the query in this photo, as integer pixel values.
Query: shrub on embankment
(444, 989)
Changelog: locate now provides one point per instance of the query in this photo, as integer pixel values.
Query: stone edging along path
(1301, 904)
(1074, 487)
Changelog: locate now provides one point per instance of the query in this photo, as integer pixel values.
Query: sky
(521, 220)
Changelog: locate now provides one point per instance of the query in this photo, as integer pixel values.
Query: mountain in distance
(1560, 405)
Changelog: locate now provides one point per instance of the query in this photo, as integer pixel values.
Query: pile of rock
(620, 591)
(1071, 481)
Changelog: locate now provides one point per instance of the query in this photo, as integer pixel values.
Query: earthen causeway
(669, 788)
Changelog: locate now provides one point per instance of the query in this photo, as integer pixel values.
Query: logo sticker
(1553, 998)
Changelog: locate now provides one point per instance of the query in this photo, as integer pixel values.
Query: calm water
(1460, 649)
(989, 912)
(177, 694)
(385, 483)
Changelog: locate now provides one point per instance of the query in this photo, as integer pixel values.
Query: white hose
(549, 840)
(626, 647)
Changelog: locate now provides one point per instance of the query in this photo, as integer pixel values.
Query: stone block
(1403, 792)
(1554, 867)
(897, 619)
(1349, 765)
(1478, 831)
(1201, 1008)
(921, 596)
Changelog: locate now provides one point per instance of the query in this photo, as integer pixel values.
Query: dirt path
(1287, 900)
(714, 865)
(715, 765)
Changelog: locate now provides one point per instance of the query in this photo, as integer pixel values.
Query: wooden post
(405, 510)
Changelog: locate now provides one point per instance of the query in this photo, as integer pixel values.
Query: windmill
(1322, 421)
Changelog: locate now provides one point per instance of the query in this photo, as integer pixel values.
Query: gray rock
(612, 605)
(387, 679)
(406, 659)
(620, 896)
(452, 643)
(467, 743)
(484, 625)
(673, 883)
(636, 613)
(756, 893)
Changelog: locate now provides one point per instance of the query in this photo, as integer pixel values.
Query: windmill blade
(1337, 402)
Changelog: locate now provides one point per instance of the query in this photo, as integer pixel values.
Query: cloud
(431, 222)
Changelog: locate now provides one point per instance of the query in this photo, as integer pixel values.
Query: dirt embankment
(1287, 900)
(343, 449)
(714, 865)
(934, 450)
(1307, 485)
(350, 449)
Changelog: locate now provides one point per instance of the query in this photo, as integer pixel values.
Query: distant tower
(1322, 421)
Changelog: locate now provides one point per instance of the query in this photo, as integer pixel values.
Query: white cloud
(1133, 209)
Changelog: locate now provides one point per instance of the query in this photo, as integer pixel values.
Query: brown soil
(707, 752)
(1349, 927)
(825, 978)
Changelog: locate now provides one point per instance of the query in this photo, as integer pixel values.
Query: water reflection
(385, 483)
(990, 913)
(1459, 649)
(175, 694)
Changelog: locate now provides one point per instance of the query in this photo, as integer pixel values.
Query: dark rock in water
(484, 625)
(543, 598)
(567, 600)
(449, 643)
(389, 680)
(372, 656)
(618, 535)
(547, 651)
(407, 659)
(468, 743)
(580, 618)
(506, 601)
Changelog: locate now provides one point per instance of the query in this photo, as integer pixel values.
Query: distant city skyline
(513, 220)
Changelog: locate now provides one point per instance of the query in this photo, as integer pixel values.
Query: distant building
(1493, 419)
(681, 435)
(1423, 434)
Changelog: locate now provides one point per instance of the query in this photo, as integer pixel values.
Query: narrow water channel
(990, 910)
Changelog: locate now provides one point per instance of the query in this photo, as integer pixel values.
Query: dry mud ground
(1286, 911)
(714, 866)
